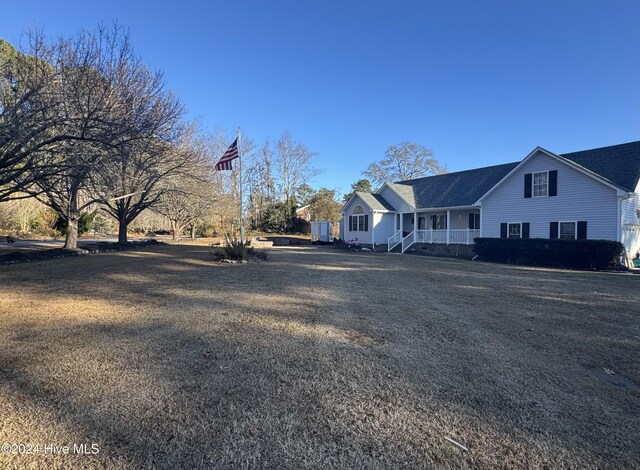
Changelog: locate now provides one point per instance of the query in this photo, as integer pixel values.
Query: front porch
(450, 227)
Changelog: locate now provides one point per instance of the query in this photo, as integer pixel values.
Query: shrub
(578, 254)
(85, 223)
(232, 248)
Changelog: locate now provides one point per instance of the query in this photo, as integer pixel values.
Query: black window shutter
(525, 229)
(503, 230)
(366, 222)
(434, 222)
(553, 183)
(351, 223)
(553, 229)
(582, 230)
(472, 220)
(527, 184)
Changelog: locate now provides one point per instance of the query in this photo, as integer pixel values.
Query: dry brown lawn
(316, 358)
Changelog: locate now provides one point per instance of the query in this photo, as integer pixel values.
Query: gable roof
(405, 192)
(618, 164)
(461, 188)
(375, 201)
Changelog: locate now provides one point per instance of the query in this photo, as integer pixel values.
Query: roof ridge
(404, 182)
(606, 147)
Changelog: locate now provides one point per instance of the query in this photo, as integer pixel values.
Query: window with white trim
(541, 184)
(358, 222)
(514, 230)
(568, 230)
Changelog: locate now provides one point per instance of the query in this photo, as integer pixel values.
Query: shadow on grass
(329, 359)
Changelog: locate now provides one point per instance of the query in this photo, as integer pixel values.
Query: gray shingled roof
(375, 201)
(461, 188)
(405, 191)
(618, 164)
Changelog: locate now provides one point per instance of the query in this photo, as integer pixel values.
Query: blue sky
(480, 83)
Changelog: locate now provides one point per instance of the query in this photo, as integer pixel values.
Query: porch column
(373, 230)
(401, 228)
(448, 225)
(481, 222)
(415, 226)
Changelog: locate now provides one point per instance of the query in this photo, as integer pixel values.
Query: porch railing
(431, 236)
(462, 236)
(407, 241)
(394, 240)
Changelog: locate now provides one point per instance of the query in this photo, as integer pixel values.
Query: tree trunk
(122, 231)
(193, 231)
(71, 235)
(175, 228)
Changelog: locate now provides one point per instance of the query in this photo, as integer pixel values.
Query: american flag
(230, 154)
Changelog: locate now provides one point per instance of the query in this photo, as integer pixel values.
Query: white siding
(631, 223)
(630, 207)
(396, 201)
(383, 226)
(580, 197)
(359, 237)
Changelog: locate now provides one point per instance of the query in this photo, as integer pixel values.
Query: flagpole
(240, 183)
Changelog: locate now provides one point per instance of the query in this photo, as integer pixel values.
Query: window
(439, 221)
(567, 230)
(359, 221)
(474, 221)
(514, 231)
(541, 184)
(421, 223)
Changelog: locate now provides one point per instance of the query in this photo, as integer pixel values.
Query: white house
(591, 194)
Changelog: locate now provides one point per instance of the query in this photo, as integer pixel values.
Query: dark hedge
(576, 254)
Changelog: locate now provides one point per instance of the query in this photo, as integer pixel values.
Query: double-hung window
(514, 231)
(541, 184)
(568, 230)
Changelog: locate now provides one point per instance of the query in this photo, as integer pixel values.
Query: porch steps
(396, 249)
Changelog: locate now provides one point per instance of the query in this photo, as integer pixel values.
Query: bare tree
(230, 181)
(110, 103)
(27, 124)
(292, 169)
(403, 162)
(184, 202)
(261, 184)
